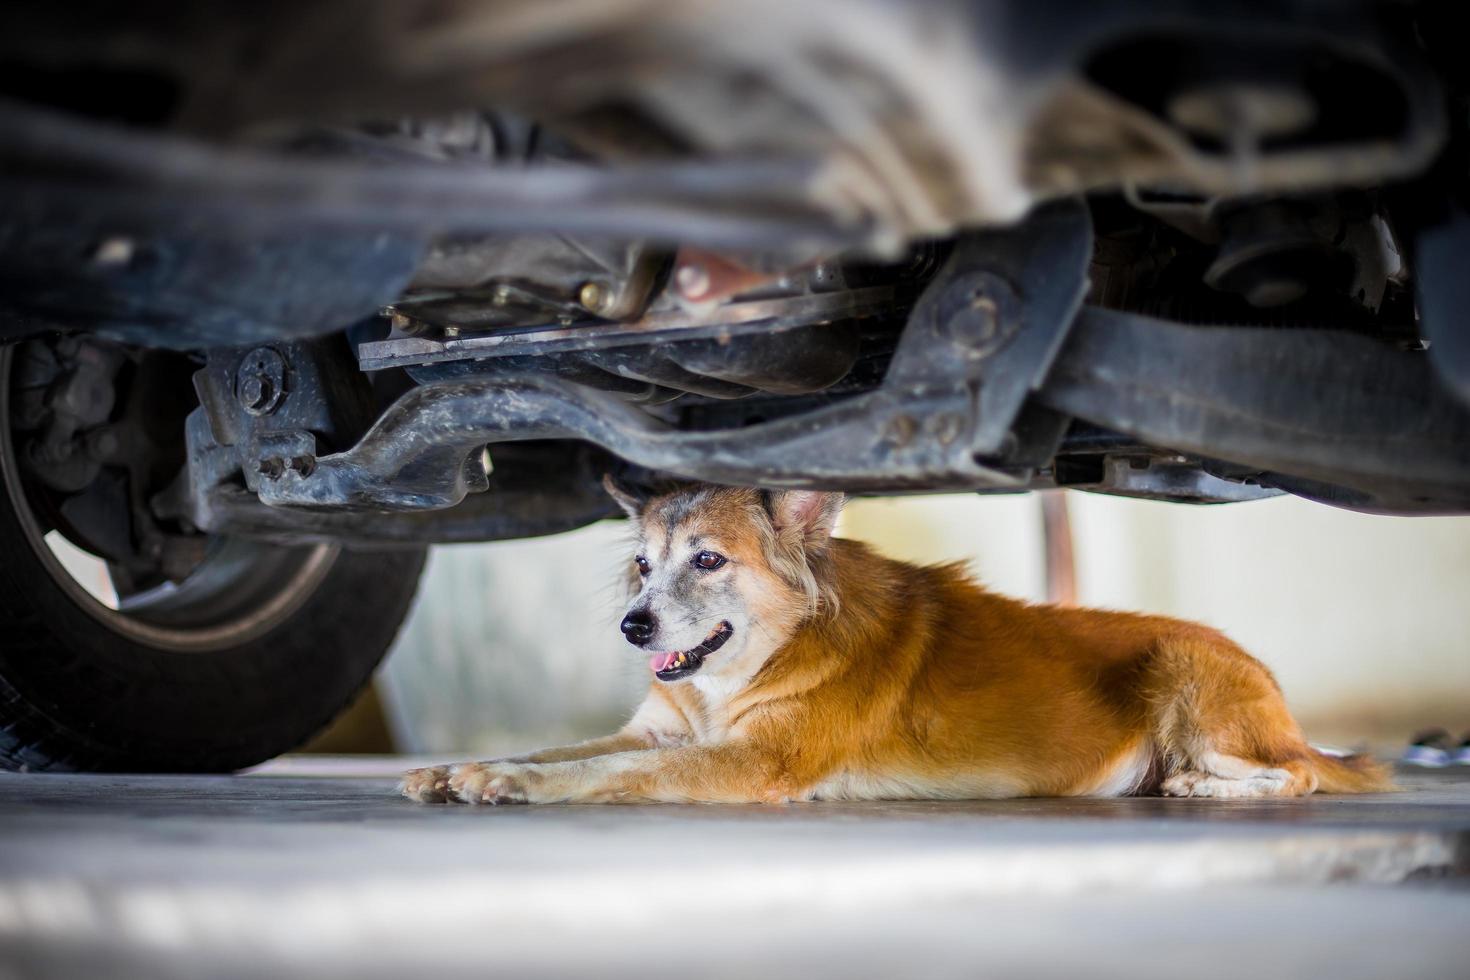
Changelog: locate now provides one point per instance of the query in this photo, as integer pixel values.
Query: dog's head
(725, 574)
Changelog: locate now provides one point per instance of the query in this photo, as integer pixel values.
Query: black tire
(77, 695)
(253, 652)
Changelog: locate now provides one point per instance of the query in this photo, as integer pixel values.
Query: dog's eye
(708, 560)
(643, 566)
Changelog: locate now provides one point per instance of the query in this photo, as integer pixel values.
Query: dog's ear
(632, 505)
(807, 515)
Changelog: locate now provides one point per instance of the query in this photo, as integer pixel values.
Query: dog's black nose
(638, 626)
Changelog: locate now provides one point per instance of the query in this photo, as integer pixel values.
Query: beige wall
(1365, 620)
(515, 644)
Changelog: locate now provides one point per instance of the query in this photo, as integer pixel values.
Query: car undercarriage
(393, 273)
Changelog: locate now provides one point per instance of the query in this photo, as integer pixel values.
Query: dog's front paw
(429, 785)
(493, 782)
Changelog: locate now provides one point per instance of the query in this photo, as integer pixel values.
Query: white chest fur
(716, 690)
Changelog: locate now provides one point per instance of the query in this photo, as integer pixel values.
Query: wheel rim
(239, 591)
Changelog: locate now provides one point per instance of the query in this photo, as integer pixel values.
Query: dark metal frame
(1000, 379)
(996, 360)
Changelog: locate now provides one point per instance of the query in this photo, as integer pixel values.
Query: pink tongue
(661, 661)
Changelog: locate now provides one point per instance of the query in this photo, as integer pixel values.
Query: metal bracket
(980, 339)
(1294, 405)
(991, 323)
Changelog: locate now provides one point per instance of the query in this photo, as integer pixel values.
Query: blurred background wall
(1365, 620)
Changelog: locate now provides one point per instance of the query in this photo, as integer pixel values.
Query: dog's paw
(1182, 784)
(429, 785)
(1267, 782)
(492, 782)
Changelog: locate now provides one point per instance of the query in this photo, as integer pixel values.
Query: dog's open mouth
(672, 666)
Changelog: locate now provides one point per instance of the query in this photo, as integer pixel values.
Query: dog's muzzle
(679, 664)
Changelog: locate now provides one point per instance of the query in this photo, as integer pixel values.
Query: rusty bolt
(947, 428)
(900, 430)
(305, 465)
(272, 467)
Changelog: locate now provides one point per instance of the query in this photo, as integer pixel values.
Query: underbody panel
(397, 272)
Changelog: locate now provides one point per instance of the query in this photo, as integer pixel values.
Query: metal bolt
(272, 467)
(985, 309)
(451, 331)
(594, 297)
(947, 428)
(255, 392)
(501, 296)
(977, 313)
(260, 381)
(692, 280)
(974, 324)
(900, 430)
(305, 465)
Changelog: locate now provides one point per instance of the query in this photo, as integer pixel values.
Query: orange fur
(914, 682)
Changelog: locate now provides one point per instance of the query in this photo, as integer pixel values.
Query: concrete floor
(301, 871)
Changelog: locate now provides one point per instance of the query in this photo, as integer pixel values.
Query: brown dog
(789, 665)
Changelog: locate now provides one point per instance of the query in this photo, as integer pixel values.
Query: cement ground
(313, 869)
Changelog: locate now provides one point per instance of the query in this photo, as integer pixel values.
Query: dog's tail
(1351, 774)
